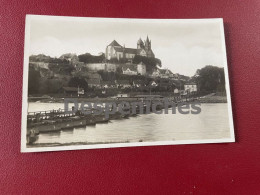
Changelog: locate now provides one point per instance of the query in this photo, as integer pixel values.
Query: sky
(182, 46)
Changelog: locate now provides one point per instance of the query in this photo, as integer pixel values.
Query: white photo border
(28, 19)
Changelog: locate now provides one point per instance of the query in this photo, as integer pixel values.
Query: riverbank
(213, 99)
(205, 99)
(56, 144)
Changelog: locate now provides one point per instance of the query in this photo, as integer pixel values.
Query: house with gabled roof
(156, 73)
(190, 87)
(129, 69)
(166, 73)
(72, 91)
(153, 84)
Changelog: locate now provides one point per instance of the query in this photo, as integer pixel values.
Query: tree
(210, 79)
(39, 58)
(78, 82)
(151, 63)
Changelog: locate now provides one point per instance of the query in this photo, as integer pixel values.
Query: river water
(211, 123)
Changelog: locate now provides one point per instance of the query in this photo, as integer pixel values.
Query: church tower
(140, 44)
(147, 44)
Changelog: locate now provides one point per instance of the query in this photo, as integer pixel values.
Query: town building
(162, 73)
(141, 69)
(174, 77)
(129, 69)
(138, 83)
(166, 73)
(94, 80)
(156, 73)
(153, 84)
(134, 69)
(108, 84)
(72, 91)
(116, 51)
(123, 84)
(176, 90)
(190, 87)
(122, 95)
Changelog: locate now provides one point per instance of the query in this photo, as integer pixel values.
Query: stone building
(116, 51)
(141, 68)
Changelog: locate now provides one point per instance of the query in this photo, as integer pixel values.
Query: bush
(78, 82)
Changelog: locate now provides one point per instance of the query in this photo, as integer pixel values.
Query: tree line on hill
(47, 59)
(88, 58)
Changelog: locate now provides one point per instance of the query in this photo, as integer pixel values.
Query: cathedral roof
(114, 43)
(126, 50)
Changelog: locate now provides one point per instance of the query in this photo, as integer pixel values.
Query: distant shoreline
(205, 99)
(214, 99)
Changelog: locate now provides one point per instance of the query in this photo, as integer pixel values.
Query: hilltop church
(115, 50)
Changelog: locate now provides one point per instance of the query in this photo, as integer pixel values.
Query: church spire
(147, 43)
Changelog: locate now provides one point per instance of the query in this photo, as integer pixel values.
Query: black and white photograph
(117, 82)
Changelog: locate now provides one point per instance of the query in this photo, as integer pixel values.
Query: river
(211, 123)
